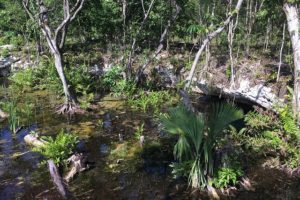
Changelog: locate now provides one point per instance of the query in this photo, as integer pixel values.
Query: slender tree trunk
(267, 36)
(291, 12)
(133, 45)
(280, 54)
(208, 39)
(59, 67)
(161, 42)
(231, 31)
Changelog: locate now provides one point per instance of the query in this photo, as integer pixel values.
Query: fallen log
(34, 141)
(245, 93)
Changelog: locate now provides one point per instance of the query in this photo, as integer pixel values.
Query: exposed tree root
(69, 108)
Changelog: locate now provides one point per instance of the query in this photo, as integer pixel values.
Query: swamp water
(119, 170)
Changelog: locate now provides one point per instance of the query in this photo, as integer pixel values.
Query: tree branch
(208, 39)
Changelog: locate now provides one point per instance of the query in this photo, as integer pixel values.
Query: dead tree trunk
(292, 16)
(55, 39)
(161, 41)
(208, 39)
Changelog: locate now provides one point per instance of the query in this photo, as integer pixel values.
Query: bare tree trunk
(124, 6)
(291, 12)
(231, 30)
(59, 67)
(280, 54)
(208, 39)
(56, 39)
(132, 50)
(267, 36)
(161, 42)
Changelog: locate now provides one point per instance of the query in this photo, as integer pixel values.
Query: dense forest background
(150, 52)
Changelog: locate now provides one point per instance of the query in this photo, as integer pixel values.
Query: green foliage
(146, 101)
(180, 169)
(258, 122)
(23, 79)
(289, 122)
(198, 135)
(139, 132)
(4, 53)
(11, 108)
(226, 176)
(114, 81)
(58, 149)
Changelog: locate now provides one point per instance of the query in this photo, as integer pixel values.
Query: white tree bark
(280, 53)
(292, 16)
(56, 37)
(208, 39)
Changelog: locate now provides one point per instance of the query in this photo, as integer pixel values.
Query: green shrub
(114, 82)
(58, 149)
(226, 176)
(146, 101)
(198, 136)
(5, 53)
(289, 123)
(257, 122)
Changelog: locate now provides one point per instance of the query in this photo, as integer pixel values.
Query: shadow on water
(120, 170)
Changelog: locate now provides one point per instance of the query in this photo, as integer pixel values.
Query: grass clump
(153, 100)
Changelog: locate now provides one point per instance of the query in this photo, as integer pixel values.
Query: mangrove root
(69, 108)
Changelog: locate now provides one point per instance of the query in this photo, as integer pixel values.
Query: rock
(107, 124)
(6, 65)
(7, 46)
(164, 77)
(245, 93)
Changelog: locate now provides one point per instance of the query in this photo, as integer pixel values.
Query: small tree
(55, 37)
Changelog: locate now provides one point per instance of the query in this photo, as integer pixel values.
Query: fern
(289, 123)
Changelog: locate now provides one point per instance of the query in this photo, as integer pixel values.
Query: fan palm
(198, 134)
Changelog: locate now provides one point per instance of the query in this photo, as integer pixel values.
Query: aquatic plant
(59, 148)
(153, 100)
(139, 132)
(198, 136)
(10, 106)
(26, 110)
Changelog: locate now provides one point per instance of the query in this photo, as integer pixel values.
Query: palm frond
(221, 116)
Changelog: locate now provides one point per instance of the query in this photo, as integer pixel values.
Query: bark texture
(291, 12)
